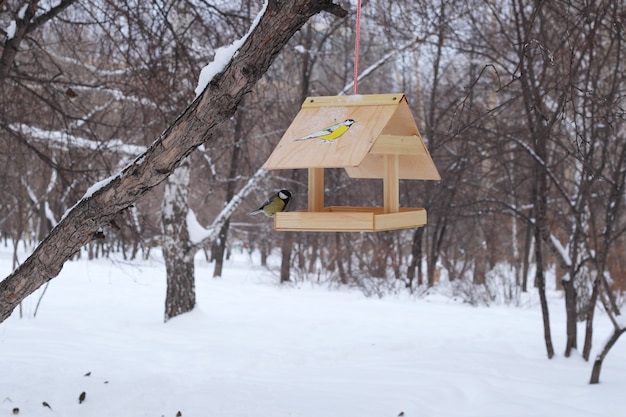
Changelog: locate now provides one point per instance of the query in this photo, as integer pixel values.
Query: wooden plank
(404, 220)
(375, 210)
(347, 150)
(324, 221)
(316, 189)
(398, 145)
(353, 100)
(391, 183)
(350, 219)
(412, 167)
(401, 122)
(354, 209)
(415, 162)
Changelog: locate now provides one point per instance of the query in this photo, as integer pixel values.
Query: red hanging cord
(356, 46)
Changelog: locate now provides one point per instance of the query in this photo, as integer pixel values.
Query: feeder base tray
(349, 219)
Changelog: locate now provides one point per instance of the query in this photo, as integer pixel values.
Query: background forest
(521, 103)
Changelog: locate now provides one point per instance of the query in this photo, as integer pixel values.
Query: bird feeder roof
(383, 125)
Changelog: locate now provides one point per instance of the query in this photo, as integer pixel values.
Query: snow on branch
(63, 140)
(556, 243)
(196, 125)
(225, 54)
(125, 71)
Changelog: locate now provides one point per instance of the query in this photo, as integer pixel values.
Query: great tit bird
(329, 134)
(277, 202)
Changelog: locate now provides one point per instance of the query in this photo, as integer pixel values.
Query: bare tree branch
(210, 233)
(195, 126)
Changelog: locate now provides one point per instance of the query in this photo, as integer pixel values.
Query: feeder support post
(391, 183)
(316, 189)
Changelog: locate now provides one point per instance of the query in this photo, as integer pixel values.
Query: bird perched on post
(274, 204)
(330, 133)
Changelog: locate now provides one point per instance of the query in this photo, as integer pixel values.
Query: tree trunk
(340, 257)
(177, 250)
(540, 202)
(314, 239)
(416, 257)
(195, 126)
(539, 197)
(591, 308)
(264, 249)
(597, 364)
(219, 248)
(571, 316)
(526, 265)
(439, 231)
(480, 257)
(540, 281)
(540, 122)
(180, 297)
(285, 264)
(612, 213)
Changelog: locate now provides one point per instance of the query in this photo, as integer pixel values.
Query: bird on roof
(330, 133)
(274, 204)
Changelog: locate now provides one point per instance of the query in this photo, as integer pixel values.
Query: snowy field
(254, 348)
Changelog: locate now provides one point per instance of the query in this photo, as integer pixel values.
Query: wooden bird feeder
(383, 142)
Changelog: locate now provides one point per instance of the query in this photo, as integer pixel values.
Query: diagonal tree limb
(195, 126)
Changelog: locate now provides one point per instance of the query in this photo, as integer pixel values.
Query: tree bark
(589, 321)
(285, 263)
(178, 252)
(540, 197)
(540, 282)
(195, 126)
(571, 315)
(219, 249)
(340, 257)
(416, 259)
(597, 364)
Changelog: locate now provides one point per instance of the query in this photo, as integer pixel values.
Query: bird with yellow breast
(330, 133)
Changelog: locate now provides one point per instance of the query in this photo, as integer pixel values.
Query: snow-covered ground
(254, 348)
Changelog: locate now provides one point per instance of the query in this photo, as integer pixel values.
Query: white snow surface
(562, 251)
(255, 348)
(197, 232)
(224, 55)
(22, 12)
(11, 29)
